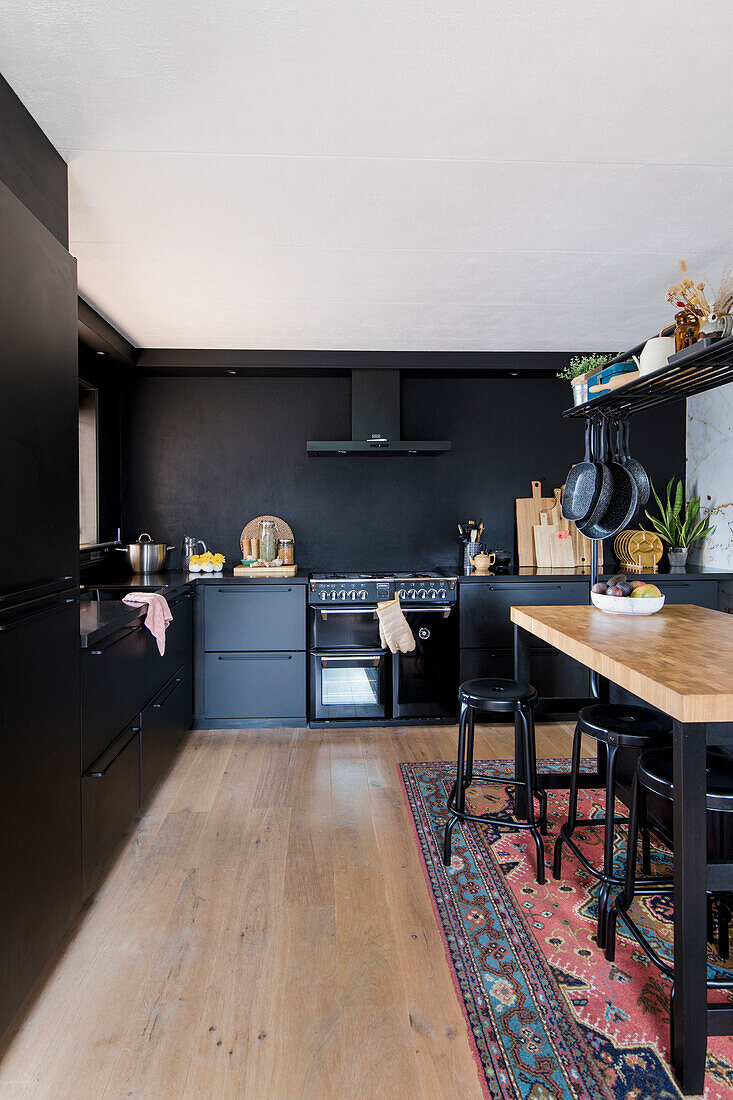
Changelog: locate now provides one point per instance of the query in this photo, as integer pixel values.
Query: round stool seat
(655, 772)
(629, 727)
(502, 696)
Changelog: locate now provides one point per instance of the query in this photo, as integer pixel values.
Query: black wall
(30, 166)
(202, 456)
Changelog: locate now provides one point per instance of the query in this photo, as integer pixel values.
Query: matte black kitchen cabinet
(40, 824)
(136, 707)
(251, 649)
(487, 636)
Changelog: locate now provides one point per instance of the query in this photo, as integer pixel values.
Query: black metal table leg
(521, 672)
(689, 1005)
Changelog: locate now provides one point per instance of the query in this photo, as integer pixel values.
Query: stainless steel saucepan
(145, 556)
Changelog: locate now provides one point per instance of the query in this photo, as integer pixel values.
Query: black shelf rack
(692, 371)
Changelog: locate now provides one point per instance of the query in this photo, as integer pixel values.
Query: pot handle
(145, 536)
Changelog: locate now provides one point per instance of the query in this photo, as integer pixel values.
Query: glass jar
(687, 329)
(268, 539)
(286, 551)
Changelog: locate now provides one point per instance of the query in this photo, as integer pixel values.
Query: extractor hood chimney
(375, 421)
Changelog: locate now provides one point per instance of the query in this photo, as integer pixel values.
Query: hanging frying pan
(582, 485)
(622, 505)
(604, 486)
(637, 471)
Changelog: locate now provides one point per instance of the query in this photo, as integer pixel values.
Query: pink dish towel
(158, 614)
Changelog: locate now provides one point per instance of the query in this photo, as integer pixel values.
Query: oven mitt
(394, 630)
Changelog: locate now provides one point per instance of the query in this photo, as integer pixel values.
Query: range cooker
(352, 677)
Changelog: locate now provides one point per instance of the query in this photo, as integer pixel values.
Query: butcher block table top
(679, 660)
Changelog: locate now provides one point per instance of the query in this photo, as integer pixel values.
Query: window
(88, 475)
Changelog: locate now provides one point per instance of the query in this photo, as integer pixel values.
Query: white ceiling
(474, 175)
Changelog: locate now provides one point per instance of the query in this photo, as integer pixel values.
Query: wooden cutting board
(544, 534)
(529, 510)
(581, 545)
(264, 571)
(562, 549)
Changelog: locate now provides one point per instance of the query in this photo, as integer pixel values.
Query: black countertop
(530, 573)
(98, 619)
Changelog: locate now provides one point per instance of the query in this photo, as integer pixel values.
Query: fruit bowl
(627, 605)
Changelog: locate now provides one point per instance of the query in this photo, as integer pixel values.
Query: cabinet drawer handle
(185, 596)
(255, 657)
(23, 619)
(105, 649)
(179, 681)
(235, 591)
(99, 769)
(523, 588)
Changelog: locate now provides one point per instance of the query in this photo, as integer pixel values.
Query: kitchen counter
(529, 573)
(99, 619)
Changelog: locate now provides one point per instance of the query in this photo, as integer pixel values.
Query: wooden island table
(681, 661)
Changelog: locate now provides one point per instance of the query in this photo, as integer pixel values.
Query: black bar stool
(495, 696)
(654, 772)
(617, 727)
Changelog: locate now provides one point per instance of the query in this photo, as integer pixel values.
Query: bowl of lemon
(206, 563)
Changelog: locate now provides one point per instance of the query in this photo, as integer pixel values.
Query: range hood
(375, 421)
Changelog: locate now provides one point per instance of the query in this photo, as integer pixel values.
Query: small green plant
(676, 524)
(583, 364)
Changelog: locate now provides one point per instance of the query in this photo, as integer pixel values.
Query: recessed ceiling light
(514, 373)
(231, 372)
(103, 354)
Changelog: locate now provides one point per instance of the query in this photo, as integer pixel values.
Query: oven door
(344, 627)
(346, 685)
(425, 682)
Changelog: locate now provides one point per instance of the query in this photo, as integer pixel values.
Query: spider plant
(677, 524)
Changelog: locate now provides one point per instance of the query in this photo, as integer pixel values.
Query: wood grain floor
(264, 932)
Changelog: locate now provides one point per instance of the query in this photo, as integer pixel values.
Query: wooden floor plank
(265, 931)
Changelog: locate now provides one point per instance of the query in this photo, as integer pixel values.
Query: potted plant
(579, 370)
(679, 525)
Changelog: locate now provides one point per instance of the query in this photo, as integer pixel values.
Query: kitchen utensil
(582, 485)
(604, 490)
(627, 605)
(615, 383)
(606, 379)
(502, 557)
(655, 354)
(265, 570)
(623, 500)
(528, 511)
(543, 534)
(562, 551)
(637, 471)
(252, 530)
(188, 549)
(145, 556)
(638, 550)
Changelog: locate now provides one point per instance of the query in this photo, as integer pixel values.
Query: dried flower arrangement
(724, 298)
(687, 294)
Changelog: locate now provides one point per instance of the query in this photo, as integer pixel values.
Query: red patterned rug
(548, 1017)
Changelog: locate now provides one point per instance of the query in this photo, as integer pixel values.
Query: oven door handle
(444, 611)
(358, 662)
(326, 611)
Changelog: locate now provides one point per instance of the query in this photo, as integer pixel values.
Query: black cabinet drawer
(110, 798)
(701, 593)
(178, 638)
(254, 685)
(114, 686)
(164, 722)
(254, 617)
(485, 608)
(553, 674)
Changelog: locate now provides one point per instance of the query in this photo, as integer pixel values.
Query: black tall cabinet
(40, 846)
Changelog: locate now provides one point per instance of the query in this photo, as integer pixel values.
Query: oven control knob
(362, 594)
(352, 594)
(341, 595)
(412, 593)
(441, 593)
(332, 594)
(423, 594)
(432, 594)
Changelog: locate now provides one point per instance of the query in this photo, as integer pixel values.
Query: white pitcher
(655, 354)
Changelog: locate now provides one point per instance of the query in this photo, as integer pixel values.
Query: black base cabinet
(136, 707)
(487, 638)
(250, 653)
(164, 721)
